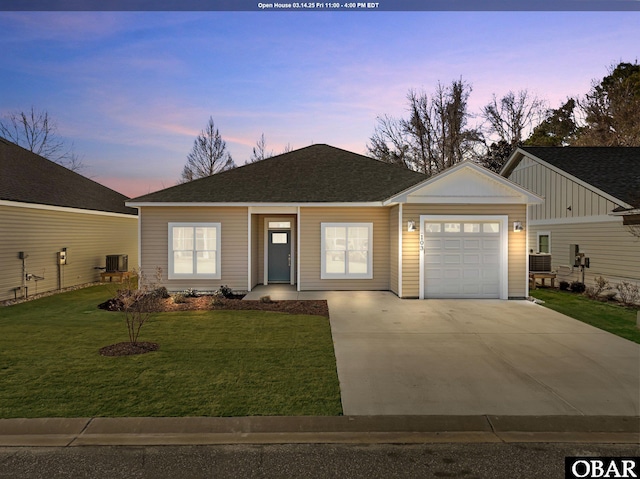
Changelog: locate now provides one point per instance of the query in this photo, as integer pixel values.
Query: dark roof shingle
(30, 178)
(317, 173)
(614, 170)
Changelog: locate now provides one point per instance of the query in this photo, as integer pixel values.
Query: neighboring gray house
(45, 210)
(592, 203)
(322, 218)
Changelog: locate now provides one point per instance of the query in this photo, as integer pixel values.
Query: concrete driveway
(468, 357)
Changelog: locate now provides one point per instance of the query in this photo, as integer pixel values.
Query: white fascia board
(519, 153)
(577, 220)
(259, 205)
(635, 211)
(64, 209)
(569, 176)
(469, 200)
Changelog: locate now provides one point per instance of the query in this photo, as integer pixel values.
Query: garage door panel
(462, 259)
(471, 244)
(452, 258)
(453, 244)
(432, 258)
(451, 274)
(472, 259)
(474, 274)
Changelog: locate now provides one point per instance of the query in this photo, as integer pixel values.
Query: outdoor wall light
(517, 226)
(411, 225)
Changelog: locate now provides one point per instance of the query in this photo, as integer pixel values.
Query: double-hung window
(194, 251)
(544, 242)
(346, 251)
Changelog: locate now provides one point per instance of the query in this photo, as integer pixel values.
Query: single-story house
(591, 209)
(322, 218)
(56, 226)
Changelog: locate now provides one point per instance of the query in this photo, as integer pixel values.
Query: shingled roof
(30, 178)
(614, 170)
(315, 174)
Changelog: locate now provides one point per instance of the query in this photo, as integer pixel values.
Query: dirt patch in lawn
(128, 349)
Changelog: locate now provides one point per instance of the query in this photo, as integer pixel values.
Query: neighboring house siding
(310, 253)
(393, 249)
(41, 233)
(559, 192)
(411, 243)
(234, 244)
(613, 252)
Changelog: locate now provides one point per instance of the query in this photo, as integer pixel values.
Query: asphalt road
(465, 461)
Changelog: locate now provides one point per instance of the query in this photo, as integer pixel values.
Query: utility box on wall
(574, 250)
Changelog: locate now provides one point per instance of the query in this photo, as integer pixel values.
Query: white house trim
(268, 207)
(400, 223)
(576, 220)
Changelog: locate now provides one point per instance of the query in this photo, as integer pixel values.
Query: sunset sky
(131, 90)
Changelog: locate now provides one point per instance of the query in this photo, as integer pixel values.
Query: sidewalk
(63, 432)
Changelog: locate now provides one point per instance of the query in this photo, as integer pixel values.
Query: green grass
(210, 363)
(610, 317)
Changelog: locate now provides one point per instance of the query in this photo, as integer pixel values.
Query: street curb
(61, 432)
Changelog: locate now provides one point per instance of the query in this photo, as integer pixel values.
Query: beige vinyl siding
(411, 243)
(310, 253)
(559, 191)
(41, 233)
(393, 248)
(234, 262)
(613, 252)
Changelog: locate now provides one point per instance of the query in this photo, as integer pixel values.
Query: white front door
(462, 259)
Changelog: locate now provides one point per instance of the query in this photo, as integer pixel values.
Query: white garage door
(462, 259)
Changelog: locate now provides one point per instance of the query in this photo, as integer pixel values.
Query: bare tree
(208, 156)
(36, 132)
(436, 135)
(260, 152)
(513, 116)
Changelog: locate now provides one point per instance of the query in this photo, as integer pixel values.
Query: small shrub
(577, 287)
(564, 286)
(226, 291)
(265, 299)
(179, 298)
(190, 293)
(217, 299)
(629, 293)
(161, 292)
(600, 285)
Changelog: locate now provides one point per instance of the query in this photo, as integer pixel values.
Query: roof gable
(613, 172)
(29, 178)
(467, 183)
(315, 174)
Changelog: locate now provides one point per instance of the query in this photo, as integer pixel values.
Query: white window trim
(542, 233)
(323, 256)
(218, 273)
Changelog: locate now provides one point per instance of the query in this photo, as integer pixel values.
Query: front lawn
(610, 317)
(210, 363)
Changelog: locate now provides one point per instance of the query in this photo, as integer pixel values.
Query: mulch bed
(127, 349)
(312, 307)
